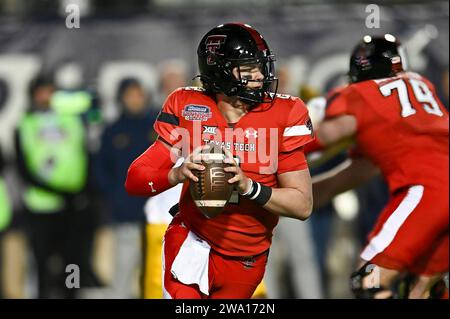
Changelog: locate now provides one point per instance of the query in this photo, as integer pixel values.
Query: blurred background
(81, 82)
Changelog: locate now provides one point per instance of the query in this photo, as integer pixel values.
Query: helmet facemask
(245, 89)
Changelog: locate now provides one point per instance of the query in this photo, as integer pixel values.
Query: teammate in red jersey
(237, 109)
(400, 128)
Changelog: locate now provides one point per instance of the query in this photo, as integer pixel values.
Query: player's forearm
(148, 175)
(290, 202)
(146, 181)
(329, 152)
(292, 198)
(334, 130)
(346, 176)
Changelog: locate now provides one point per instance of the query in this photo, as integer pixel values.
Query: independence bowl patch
(194, 112)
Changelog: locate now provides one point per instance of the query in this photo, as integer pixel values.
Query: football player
(400, 129)
(239, 110)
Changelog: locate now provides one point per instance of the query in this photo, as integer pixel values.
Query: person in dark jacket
(121, 142)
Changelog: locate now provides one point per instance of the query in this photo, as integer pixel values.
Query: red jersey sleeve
(298, 129)
(148, 175)
(349, 100)
(336, 104)
(292, 161)
(168, 120)
(357, 105)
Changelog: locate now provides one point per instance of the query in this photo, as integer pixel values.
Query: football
(212, 191)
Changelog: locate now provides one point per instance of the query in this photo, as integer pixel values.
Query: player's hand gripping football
(241, 181)
(181, 173)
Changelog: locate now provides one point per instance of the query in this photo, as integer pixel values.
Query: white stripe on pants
(392, 225)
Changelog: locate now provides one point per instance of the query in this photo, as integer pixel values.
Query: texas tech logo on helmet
(213, 42)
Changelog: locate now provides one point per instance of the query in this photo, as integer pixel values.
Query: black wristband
(260, 193)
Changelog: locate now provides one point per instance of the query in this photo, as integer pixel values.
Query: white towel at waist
(191, 264)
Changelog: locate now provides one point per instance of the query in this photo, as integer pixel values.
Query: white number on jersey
(422, 94)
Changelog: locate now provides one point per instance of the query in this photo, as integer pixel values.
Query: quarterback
(238, 109)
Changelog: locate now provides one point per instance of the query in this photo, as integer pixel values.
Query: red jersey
(402, 127)
(335, 109)
(267, 141)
